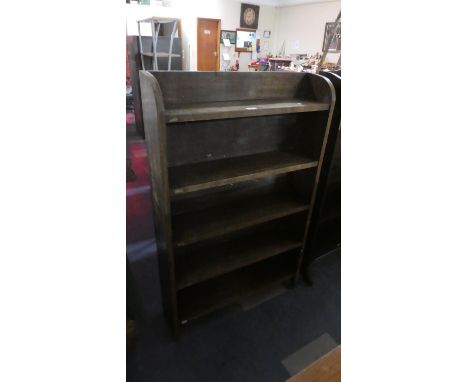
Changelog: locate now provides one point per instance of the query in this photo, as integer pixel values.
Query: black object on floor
(243, 345)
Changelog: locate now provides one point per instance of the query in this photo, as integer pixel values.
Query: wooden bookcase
(234, 163)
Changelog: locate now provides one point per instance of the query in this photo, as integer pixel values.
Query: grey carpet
(309, 353)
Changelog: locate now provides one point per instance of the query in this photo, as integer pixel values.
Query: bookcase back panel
(232, 287)
(210, 140)
(302, 182)
(179, 87)
(218, 139)
(296, 185)
(312, 132)
(292, 225)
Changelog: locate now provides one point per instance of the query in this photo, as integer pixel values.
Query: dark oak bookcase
(234, 163)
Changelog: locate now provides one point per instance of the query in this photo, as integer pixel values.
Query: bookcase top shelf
(203, 111)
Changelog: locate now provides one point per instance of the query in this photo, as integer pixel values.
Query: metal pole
(141, 47)
(170, 44)
(155, 46)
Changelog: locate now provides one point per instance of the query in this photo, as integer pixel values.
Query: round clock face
(249, 16)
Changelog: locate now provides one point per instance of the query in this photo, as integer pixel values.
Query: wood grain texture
(208, 31)
(191, 142)
(222, 257)
(226, 195)
(325, 228)
(325, 369)
(155, 135)
(209, 174)
(182, 88)
(236, 109)
(217, 221)
(324, 91)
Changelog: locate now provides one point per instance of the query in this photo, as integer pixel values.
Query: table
(275, 62)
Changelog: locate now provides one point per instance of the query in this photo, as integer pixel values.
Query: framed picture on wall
(249, 16)
(245, 39)
(230, 35)
(335, 46)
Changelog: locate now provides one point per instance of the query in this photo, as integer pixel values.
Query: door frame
(218, 34)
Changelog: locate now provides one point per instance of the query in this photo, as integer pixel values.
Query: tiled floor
(241, 343)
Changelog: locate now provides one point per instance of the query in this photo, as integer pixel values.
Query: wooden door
(208, 32)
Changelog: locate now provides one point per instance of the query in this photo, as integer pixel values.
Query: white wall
(303, 26)
(188, 11)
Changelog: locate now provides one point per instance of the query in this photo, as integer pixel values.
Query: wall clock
(249, 16)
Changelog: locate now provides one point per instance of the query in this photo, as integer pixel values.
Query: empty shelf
(219, 258)
(236, 109)
(158, 20)
(204, 298)
(192, 227)
(204, 175)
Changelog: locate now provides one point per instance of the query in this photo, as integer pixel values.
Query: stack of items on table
(309, 65)
(260, 64)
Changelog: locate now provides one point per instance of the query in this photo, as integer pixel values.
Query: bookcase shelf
(215, 173)
(236, 109)
(206, 297)
(160, 54)
(223, 257)
(193, 227)
(234, 162)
